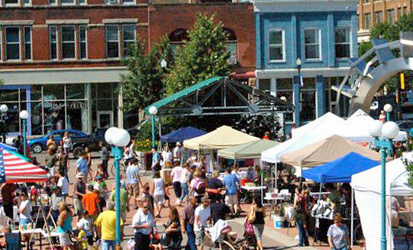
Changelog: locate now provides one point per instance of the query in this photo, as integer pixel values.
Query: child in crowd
(86, 224)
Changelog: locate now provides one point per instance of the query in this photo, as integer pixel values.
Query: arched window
(177, 38)
(231, 45)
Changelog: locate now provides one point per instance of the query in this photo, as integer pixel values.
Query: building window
(404, 10)
(129, 36)
(177, 38)
(342, 39)
(312, 43)
(265, 85)
(68, 42)
(53, 42)
(367, 21)
(379, 17)
(390, 16)
(11, 2)
(12, 43)
(67, 2)
(1, 43)
(82, 42)
(112, 41)
(276, 45)
(231, 46)
(27, 43)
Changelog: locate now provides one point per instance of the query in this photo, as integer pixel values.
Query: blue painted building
(322, 34)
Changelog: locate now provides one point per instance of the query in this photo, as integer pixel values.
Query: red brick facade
(152, 22)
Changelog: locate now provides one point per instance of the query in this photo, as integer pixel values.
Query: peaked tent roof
(183, 93)
(247, 150)
(340, 170)
(182, 134)
(222, 137)
(14, 168)
(326, 150)
(326, 122)
(357, 128)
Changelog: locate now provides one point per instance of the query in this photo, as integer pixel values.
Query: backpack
(200, 186)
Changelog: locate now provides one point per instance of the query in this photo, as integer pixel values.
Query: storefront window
(7, 95)
(36, 118)
(36, 92)
(75, 91)
(54, 115)
(53, 92)
(307, 100)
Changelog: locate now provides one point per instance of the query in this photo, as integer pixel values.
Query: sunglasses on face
(146, 207)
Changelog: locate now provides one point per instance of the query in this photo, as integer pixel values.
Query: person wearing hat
(78, 193)
(202, 216)
(55, 201)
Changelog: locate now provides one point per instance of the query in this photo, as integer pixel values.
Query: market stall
(249, 150)
(182, 134)
(222, 137)
(325, 151)
(367, 187)
(340, 171)
(326, 122)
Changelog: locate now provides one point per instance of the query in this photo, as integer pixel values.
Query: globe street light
(24, 115)
(388, 108)
(3, 108)
(118, 138)
(153, 111)
(383, 135)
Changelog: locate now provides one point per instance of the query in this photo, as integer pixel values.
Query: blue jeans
(184, 189)
(190, 245)
(302, 234)
(108, 244)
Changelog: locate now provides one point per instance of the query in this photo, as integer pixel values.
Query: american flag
(14, 168)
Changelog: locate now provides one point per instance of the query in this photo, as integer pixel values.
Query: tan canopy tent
(222, 137)
(325, 151)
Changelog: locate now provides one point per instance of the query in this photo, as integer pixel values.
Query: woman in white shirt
(25, 209)
(67, 143)
(158, 190)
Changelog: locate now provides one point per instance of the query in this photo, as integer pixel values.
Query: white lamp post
(118, 138)
(3, 108)
(24, 115)
(388, 108)
(384, 134)
(164, 64)
(153, 111)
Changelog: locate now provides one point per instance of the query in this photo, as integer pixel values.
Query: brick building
(372, 12)
(61, 59)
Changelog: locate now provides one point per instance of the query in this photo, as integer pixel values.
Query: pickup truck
(92, 142)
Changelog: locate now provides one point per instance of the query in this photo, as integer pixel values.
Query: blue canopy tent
(8, 147)
(182, 134)
(341, 170)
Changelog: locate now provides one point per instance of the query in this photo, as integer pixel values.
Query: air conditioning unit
(232, 60)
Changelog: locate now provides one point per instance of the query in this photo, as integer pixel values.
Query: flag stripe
(16, 169)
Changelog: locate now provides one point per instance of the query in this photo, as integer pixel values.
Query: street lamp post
(296, 91)
(24, 115)
(388, 108)
(118, 138)
(384, 134)
(153, 111)
(3, 110)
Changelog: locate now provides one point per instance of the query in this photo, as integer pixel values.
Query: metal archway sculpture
(371, 70)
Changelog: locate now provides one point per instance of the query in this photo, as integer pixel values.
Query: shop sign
(70, 105)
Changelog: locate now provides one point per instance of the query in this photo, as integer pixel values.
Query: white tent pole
(262, 182)
(319, 195)
(352, 218)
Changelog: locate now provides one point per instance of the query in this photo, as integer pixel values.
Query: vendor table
(253, 189)
(40, 232)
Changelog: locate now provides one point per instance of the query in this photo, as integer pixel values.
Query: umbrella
(15, 168)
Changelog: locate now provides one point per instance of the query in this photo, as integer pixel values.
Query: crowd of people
(82, 209)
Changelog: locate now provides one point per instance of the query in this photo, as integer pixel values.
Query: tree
(143, 84)
(202, 56)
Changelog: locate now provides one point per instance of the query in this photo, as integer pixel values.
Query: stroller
(250, 241)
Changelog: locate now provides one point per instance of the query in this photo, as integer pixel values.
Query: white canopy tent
(324, 123)
(357, 128)
(367, 188)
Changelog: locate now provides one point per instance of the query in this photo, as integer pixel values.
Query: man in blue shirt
(81, 165)
(231, 183)
(134, 179)
(156, 160)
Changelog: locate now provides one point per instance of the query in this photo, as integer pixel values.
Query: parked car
(37, 145)
(405, 125)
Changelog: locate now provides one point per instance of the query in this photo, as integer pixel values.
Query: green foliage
(364, 47)
(143, 84)
(203, 56)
